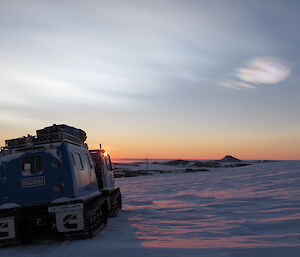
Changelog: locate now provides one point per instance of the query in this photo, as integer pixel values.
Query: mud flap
(68, 217)
(7, 228)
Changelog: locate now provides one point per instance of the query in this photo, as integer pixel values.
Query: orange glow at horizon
(179, 145)
(249, 151)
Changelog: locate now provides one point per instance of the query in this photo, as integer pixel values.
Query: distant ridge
(177, 162)
(229, 158)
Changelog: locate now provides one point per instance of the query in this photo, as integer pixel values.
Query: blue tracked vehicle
(52, 181)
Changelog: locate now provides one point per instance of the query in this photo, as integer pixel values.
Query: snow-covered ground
(241, 212)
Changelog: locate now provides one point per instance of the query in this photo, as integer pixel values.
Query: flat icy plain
(240, 212)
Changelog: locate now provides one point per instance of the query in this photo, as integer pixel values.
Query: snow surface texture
(240, 212)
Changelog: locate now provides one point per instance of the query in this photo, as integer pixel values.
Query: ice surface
(239, 212)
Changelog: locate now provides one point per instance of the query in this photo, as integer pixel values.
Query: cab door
(108, 172)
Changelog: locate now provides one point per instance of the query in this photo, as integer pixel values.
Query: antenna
(147, 161)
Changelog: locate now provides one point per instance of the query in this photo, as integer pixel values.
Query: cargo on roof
(54, 133)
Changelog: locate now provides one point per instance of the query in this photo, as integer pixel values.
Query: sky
(164, 79)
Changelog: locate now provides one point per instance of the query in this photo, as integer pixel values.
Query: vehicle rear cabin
(53, 181)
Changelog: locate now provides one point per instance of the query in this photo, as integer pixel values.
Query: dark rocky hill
(229, 158)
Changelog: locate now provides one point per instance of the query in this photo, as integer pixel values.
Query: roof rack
(55, 133)
(62, 128)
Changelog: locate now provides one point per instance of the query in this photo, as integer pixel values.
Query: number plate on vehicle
(31, 182)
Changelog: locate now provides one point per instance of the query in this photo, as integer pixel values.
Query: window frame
(33, 164)
(81, 167)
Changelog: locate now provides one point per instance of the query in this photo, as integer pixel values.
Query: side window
(78, 161)
(31, 165)
(108, 164)
(89, 161)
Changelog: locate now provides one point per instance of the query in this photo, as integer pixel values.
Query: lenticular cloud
(264, 70)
